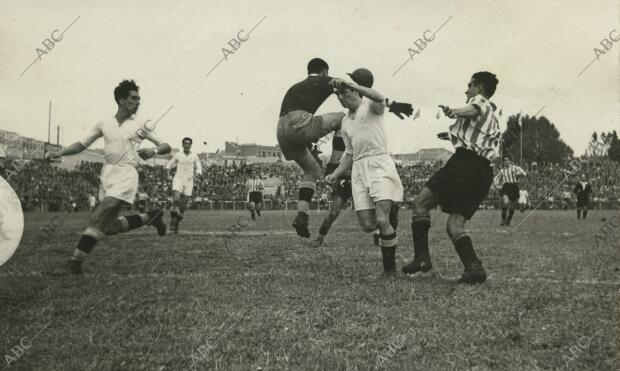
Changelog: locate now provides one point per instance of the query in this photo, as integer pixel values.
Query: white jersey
(364, 131)
(523, 196)
(121, 140)
(186, 165)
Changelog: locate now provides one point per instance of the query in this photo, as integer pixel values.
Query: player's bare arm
(469, 110)
(73, 149)
(369, 93)
(160, 149)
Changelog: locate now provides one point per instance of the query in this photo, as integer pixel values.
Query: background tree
(541, 140)
(614, 147)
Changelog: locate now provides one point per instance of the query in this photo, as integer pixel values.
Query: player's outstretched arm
(469, 110)
(74, 148)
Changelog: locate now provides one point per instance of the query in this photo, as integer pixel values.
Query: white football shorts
(374, 178)
(184, 186)
(120, 182)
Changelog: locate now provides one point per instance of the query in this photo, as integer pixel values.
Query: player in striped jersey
(187, 165)
(509, 175)
(464, 181)
(254, 186)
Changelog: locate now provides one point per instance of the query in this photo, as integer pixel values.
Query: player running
(509, 175)
(119, 178)
(375, 183)
(464, 181)
(255, 187)
(299, 127)
(583, 190)
(187, 166)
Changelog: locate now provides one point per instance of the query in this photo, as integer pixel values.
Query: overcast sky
(536, 48)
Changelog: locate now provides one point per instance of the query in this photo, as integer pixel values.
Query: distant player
(119, 178)
(187, 166)
(375, 183)
(463, 182)
(298, 128)
(583, 190)
(254, 187)
(509, 175)
(566, 198)
(92, 202)
(524, 200)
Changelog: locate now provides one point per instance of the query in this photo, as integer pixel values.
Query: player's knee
(368, 225)
(382, 220)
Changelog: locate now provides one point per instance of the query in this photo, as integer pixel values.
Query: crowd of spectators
(43, 186)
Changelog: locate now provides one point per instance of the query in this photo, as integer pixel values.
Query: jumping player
(583, 190)
(254, 187)
(375, 183)
(187, 166)
(464, 181)
(298, 128)
(509, 175)
(119, 178)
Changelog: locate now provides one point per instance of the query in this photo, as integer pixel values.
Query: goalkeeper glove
(401, 108)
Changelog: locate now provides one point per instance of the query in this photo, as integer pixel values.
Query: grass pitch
(266, 300)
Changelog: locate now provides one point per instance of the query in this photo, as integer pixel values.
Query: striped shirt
(254, 185)
(479, 134)
(509, 174)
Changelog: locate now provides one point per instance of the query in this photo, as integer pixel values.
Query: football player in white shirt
(119, 178)
(375, 183)
(187, 165)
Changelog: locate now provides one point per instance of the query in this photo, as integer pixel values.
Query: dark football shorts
(342, 189)
(297, 129)
(256, 197)
(511, 190)
(463, 183)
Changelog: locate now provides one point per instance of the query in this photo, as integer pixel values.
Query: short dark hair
(487, 80)
(316, 65)
(187, 139)
(123, 89)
